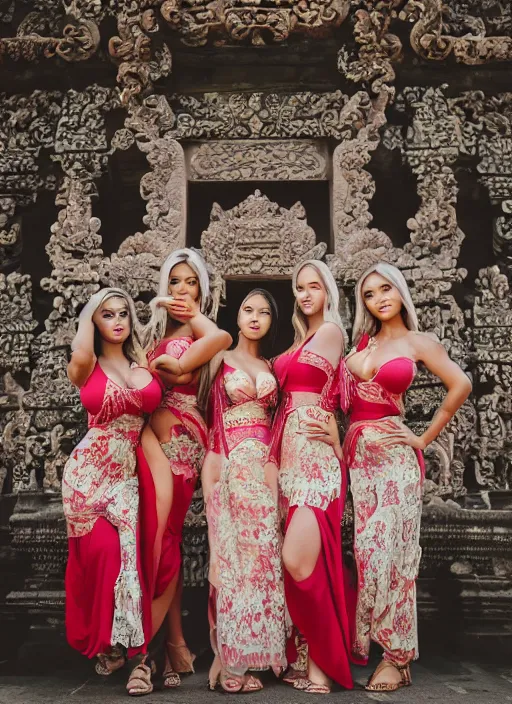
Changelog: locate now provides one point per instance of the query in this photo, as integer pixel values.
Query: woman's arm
(210, 473)
(209, 342)
(436, 359)
(83, 358)
(170, 379)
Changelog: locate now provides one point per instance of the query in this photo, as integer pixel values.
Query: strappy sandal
(180, 658)
(139, 682)
(214, 674)
(171, 677)
(306, 685)
(405, 678)
(292, 675)
(110, 662)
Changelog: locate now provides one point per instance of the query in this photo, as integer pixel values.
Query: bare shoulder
(425, 344)
(330, 332)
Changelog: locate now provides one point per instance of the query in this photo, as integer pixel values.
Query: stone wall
(402, 109)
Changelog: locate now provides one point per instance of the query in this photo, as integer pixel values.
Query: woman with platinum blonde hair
(386, 466)
(108, 599)
(180, 342)
(312, 489)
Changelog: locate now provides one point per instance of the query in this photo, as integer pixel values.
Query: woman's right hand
(181, 310)
(91, 306)
(325, 432)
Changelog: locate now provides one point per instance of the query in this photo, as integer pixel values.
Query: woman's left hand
(403, 436)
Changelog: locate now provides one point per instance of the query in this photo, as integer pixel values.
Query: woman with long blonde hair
(108, 600)
(311, 485)
(180, 341)
(386, 464)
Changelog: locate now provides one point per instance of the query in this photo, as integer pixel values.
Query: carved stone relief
(257, 23)
(257, 160)
(269, 115)
(465, 28)
(51, 31)
(258, 239)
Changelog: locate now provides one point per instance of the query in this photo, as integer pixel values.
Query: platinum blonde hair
(331, 305)
(132, 347)
(155, 330)
(364, 321)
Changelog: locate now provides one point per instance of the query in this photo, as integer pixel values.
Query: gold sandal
(139, 683)
(405, 678)
(306, 685)
(292, 675)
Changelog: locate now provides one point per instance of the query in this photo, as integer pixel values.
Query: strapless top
(99, 386)
(395, 375)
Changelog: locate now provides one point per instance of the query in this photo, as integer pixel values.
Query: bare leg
(301, 548)
(163, 481)
(161, 604)
(179, 656)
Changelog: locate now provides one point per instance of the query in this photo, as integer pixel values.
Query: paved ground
(446, 680)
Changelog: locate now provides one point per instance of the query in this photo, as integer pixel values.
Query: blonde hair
(364, 321)
(331, 304)
(132, 347)
(155, 330)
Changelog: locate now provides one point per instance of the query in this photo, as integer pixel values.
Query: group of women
(173, 401)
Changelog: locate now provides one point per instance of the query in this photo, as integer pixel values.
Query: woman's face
(255, 317)
(112, 319)
(183, 283)
(381, 297)
(310, 291)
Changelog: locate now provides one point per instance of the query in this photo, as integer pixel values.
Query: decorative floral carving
(437, 24)
(256, 22)
(246, 160)
(269, 115)
(132, 49)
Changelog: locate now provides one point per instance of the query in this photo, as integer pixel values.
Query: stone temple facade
(262, 131)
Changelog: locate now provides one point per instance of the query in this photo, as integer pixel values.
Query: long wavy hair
(364, 322)
(331, 304)
(156, 328)
(132, 346)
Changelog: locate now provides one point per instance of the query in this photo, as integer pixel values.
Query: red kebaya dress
(386, 488)
(108, 600)
(310, 476)
(247, 610)
(185, 452)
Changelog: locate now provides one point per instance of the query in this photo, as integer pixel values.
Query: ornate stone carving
(438, 22)
(356, 245)
(378, 49)
(35, 37)
(492, 320)
(244, 160)
(269, 115)
(139, 64)
(136, 264)
(256, 23)
(258, 239)
(17, 323)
